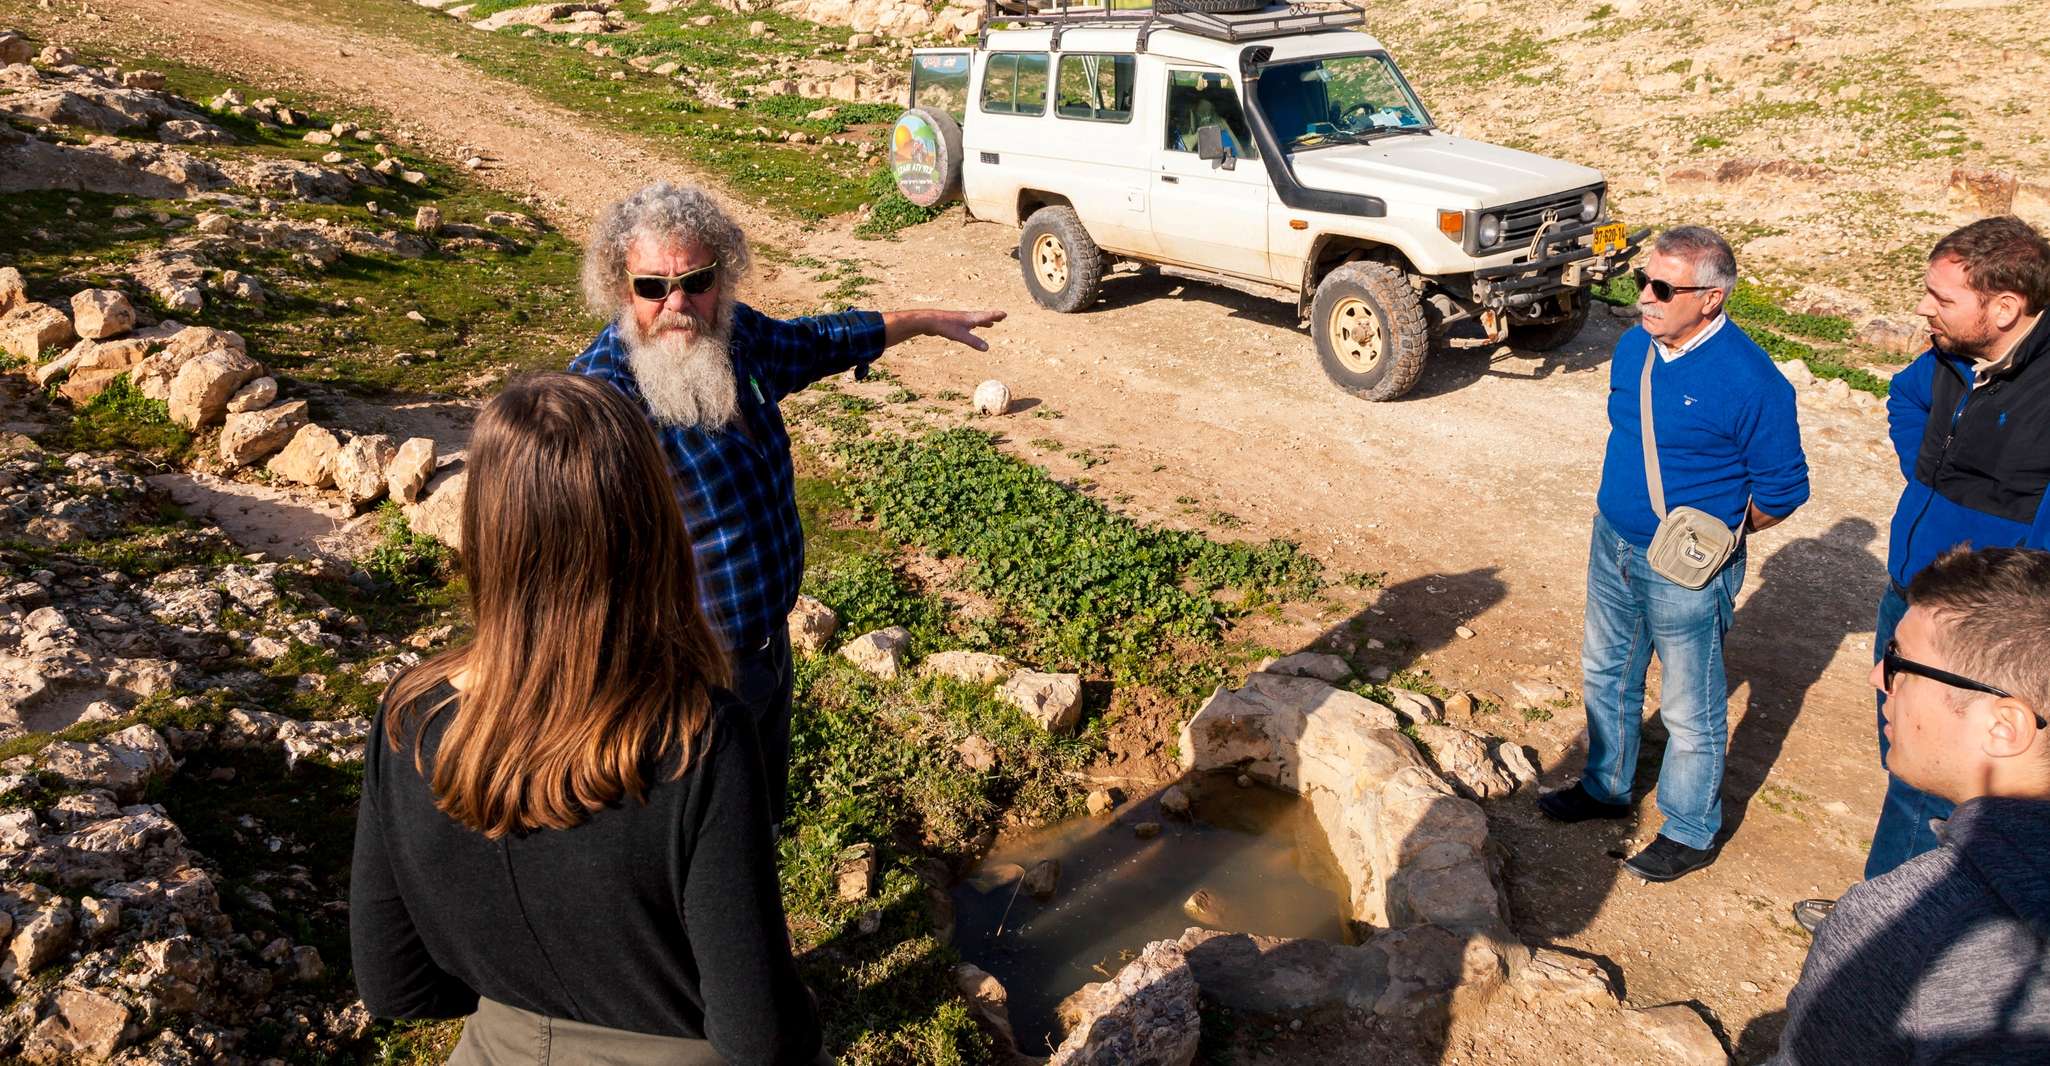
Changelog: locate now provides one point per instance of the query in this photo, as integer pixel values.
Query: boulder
(992, 397)
(440, 515)
(1148, 1013)
(987, 1000)
(361, 466)
(83, 385)
(880, 653)
(1052, 700)
(19, 830)
(1327, 668)
(254, 396)
(308, 458)
(1680, 1032)
(202, 388)
(969, 667)
(101, 313)
(427, 220)
(410, 468)
(121, 763)
(251, 435)
(812, 624)
(82, 1026)
(1042, 879)
(13, 290)
(854, 872)
(1265, 975)
(40, 937)
(1175, 801)
(976, 753)
(55, 369)
(1552, 978)
(1462, 758)
(29, 328)
(194, 341)
(114, 354)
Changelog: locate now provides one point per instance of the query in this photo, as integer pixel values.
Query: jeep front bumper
(1558, 260)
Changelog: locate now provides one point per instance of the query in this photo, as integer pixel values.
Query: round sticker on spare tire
(925, 156)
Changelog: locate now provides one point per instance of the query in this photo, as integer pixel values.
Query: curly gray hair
(1714, 263)
(667, 213)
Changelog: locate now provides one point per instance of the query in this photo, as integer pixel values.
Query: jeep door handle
(1170, 179)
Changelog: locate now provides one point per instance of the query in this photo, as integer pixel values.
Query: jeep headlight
(1489, 232)
(1590, 205)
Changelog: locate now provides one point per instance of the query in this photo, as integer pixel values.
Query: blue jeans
(1903, 830)
(1631, 614)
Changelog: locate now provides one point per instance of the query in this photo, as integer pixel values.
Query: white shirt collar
(1714, 326)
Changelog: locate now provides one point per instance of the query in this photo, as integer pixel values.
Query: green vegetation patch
(1095, 588)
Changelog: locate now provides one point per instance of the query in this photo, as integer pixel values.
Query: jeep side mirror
(1210, 145)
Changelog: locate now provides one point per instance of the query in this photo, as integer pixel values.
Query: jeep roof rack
(1273, 20)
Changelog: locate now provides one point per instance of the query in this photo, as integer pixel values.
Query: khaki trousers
(499, 1035)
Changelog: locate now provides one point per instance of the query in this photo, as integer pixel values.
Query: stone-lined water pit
(1423, 929)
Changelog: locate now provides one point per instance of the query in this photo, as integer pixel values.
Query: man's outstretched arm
(956, 326)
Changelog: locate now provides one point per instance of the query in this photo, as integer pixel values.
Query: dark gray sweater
(660, 918)
(1944, 960)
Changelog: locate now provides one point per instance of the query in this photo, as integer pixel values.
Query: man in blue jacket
(1728, 443)
(1970, 420)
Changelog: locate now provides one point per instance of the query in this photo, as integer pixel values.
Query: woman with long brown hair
(564, 831)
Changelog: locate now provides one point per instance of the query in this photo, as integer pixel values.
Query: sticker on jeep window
(915, 157)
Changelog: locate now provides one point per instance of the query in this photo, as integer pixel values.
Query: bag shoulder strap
(1651, 446)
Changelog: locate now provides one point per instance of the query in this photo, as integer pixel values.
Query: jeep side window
(1095, 87)
(1014, 83)
(940, 82)
(1198, 98)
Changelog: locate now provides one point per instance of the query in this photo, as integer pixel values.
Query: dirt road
(1473, 493)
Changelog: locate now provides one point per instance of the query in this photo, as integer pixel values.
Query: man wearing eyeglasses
(1947, 957)
(1727, 441)
(662, 267)
(1970, 420)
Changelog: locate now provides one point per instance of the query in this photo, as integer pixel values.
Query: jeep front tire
(1551, 336)
(1063, 268)
(1368, 322)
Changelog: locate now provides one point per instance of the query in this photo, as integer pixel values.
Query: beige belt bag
(1691, 545)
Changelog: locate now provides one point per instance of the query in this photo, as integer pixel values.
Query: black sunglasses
(1892, 664)
(1663, 291)
(657, 287)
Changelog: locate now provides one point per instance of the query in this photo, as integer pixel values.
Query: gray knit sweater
(1944, 960)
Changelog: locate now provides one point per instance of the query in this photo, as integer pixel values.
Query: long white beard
(686, 377)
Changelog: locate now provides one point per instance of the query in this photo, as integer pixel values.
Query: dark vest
(1992, 456)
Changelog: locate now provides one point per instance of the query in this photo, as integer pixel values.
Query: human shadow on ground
(1813, 594)
(1414, 618)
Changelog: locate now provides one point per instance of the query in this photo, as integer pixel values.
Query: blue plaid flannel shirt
(738, 493)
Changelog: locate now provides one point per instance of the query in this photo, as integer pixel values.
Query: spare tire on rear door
(925, 156)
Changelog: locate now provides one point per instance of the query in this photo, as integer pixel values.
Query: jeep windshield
(1338, 100)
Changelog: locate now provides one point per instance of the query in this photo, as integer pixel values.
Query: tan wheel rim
(1356, 335)
(1050, 262)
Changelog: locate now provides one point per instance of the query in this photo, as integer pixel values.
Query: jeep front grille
(1519, 223)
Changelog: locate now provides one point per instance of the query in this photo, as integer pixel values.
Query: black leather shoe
(1809, 913)
(1575, 805)
(1666, 859)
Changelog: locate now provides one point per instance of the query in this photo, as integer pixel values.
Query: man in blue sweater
(1970, 421)
(1728, 443)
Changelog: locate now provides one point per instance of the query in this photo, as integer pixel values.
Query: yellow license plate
(1609, 238)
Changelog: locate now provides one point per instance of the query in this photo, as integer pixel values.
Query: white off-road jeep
(1275, 150)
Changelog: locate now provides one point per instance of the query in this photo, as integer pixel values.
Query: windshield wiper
(1388, 131)
(1323, 140)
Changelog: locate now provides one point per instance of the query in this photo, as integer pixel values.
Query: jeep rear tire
(1063, 268)
(1368, 322)
(1551, 336)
